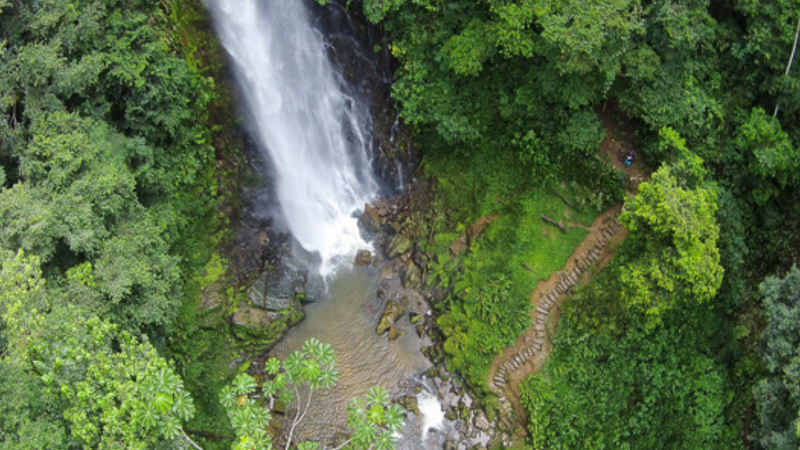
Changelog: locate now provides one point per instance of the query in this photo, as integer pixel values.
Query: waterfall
(316, 137)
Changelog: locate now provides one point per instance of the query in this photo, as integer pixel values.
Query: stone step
(541, 319)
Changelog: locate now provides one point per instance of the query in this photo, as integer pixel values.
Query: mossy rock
(393, 312)
(257, 330)
(398, 245)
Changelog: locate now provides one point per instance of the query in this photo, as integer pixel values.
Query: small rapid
(316, 137)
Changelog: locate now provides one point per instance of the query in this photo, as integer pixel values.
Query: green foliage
(485, 83)
(640, 392)
(105, 151)
(249, 419)
(108, 386)
(27, 419)
(609, 383)
(489, 286)
(772, 161)
(777, 394)
(673, 240)
(372, 419)
(106, 168)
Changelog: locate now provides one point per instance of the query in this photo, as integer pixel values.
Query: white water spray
(431, 411)
(318, 144)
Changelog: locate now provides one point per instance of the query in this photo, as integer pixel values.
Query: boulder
(279, 407)
(371, 219)
(434, 353)
(363, 258)
(257, 329)
(394, 311)
(387, 271)
(481, 422)
(412, 277)
(277, 288)
(383, 288)
(410, 403)
(253, 317)
(398, 245)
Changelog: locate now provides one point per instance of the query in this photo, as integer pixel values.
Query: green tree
(777, 394)
(772, 161)
(673, 233)
(372, 418)
(109, 387)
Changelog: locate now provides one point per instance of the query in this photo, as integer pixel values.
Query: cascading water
(317, 139)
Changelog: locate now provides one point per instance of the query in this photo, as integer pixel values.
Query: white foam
(317, 138)
(431, 412)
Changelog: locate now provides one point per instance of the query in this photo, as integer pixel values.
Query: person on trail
(629, 159)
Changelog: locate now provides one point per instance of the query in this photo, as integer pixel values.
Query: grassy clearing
(490, 285)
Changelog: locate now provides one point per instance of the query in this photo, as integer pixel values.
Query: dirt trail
(530, 351)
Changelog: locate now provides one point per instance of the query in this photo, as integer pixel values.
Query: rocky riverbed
(395, 225)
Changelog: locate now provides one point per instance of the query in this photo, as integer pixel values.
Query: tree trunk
(789, 65)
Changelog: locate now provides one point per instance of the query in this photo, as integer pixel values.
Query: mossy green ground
(490, 285)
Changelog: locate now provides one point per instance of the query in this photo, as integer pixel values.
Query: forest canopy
(687, 339)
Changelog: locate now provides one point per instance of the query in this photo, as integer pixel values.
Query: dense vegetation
(107, 181)
(689, 339)
(664, 349)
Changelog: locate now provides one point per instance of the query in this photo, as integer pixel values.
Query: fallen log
(553, 222)
(564, 199)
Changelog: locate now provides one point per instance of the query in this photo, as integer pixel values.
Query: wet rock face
(276, 288)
